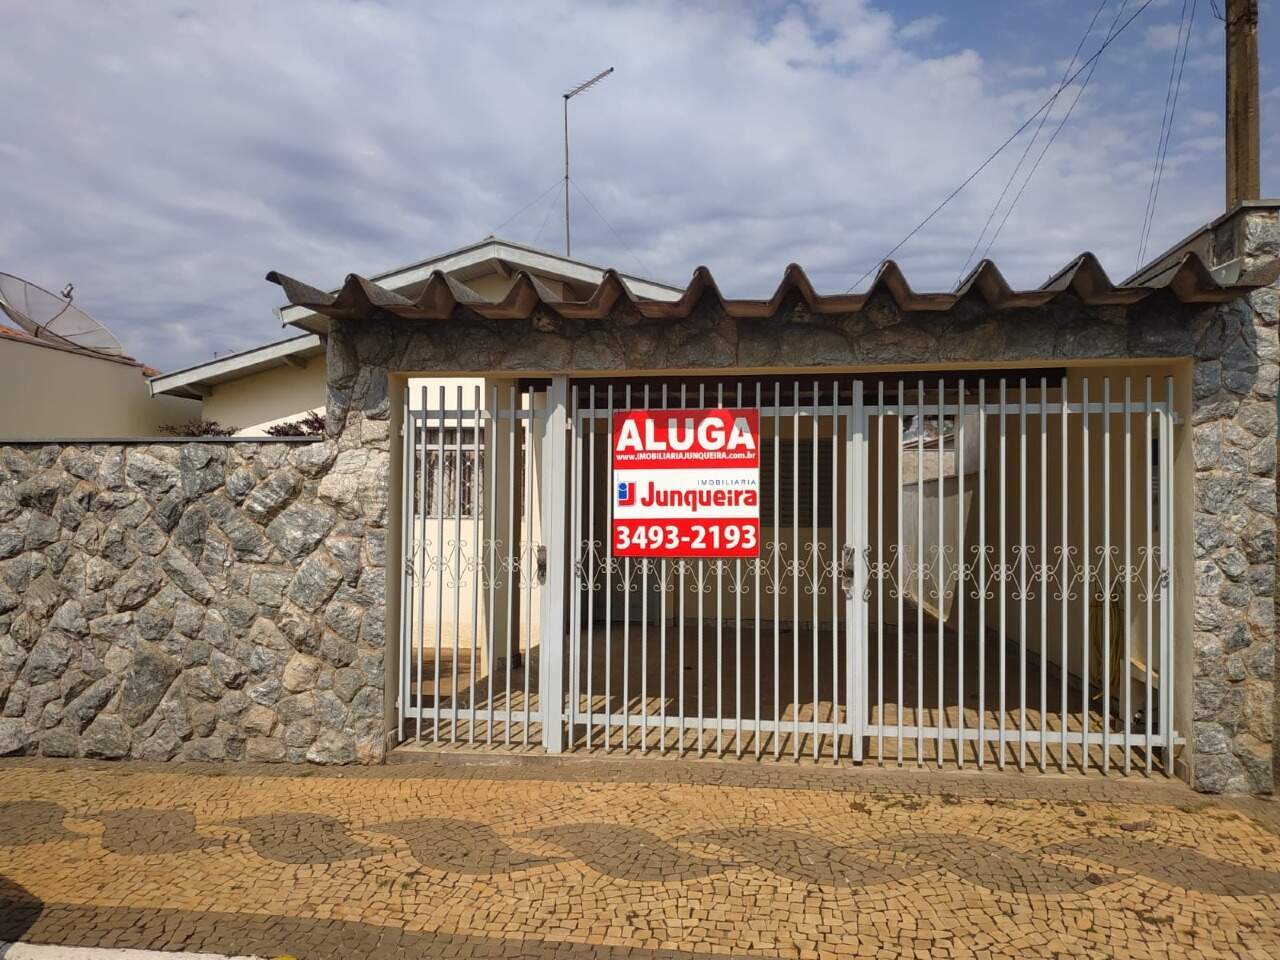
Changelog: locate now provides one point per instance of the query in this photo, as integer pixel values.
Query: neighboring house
(52, 390)
(283, 381)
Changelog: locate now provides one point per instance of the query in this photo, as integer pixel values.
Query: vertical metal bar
(440, 510)
(918, 714)
(531, 553)
(981, 571)
(836, 591)
(881, 568)
(1152, 579)
(593, 558)
(644, 634)
(476, 495)
(755, 593)
(1002, 559)
(580, 557)
(1044, 569)
(1086, 585)
(457, 560)
(428, 562)
(608, 581)
(1106, 574)
(701, 580)
(720, 562)
(902, 557)
(1127, 568)
(777, 569)
(662, 638)
(961, 553)
(680, 714)
(407, 525)
(626, 627)
(513, 535)
(737, 634)
(795, 570)
(553, 586)
(858, 627)
(491, 548)
(815, 560)
(1166, 558)
(1022, 573)
(1065, 576)
(940, 713)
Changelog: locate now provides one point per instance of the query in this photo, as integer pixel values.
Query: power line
(987, 162)
(1062, 85)
(498, 229)
(1162, 154)
(1054, 136)
(643, 266)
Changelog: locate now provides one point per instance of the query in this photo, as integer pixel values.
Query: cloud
(164, 156)
(922, 27)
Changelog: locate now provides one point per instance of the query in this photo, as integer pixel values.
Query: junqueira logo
(626, 494)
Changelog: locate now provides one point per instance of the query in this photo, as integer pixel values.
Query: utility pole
(580, 88)
(1244, 181)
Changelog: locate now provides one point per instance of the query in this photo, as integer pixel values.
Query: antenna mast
(580, 88)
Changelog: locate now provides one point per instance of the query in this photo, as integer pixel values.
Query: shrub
(309, 425)
(198, 427)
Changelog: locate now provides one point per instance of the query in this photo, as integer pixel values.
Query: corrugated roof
(1189, 280)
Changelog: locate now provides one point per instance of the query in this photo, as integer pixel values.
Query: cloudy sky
(165, 156)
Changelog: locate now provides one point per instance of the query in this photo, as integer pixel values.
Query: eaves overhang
(195, 382)
(1188, 280)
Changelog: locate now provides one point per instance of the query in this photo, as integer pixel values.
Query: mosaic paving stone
(625, 858)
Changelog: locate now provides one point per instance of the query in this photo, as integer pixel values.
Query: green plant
(198, 427)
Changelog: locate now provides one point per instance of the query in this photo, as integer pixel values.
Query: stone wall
(194, 600)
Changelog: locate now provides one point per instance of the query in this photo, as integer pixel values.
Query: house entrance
(953, 569)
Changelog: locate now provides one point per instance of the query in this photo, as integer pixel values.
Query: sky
(164, 156)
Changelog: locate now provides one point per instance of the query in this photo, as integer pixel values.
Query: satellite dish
(49, 317)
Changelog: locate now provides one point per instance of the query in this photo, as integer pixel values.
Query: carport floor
(650, 698)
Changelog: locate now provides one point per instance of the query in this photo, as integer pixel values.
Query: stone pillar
(1234, 446)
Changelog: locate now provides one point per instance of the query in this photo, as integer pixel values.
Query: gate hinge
(540, 556)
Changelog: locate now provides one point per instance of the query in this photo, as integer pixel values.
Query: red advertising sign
(686, 483)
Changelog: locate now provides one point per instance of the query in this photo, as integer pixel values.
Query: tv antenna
(580, 88)
(52, 318)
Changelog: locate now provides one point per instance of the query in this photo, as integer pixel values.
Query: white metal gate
(958, 569)
(1021, 597)
(475, 563)
(717, 655)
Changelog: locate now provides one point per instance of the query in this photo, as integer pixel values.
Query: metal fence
(960, 569)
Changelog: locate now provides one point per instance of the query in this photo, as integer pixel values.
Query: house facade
(1090, 586)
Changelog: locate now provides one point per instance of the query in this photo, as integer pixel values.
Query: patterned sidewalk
(460, 856)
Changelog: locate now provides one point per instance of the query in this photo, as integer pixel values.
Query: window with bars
(788, 480)
(450, 493)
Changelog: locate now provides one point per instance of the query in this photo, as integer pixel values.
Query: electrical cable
(1163, 153)
(1084, 85)
(526, 207)
(1062, 85)
(987, 162)
(643, 266)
